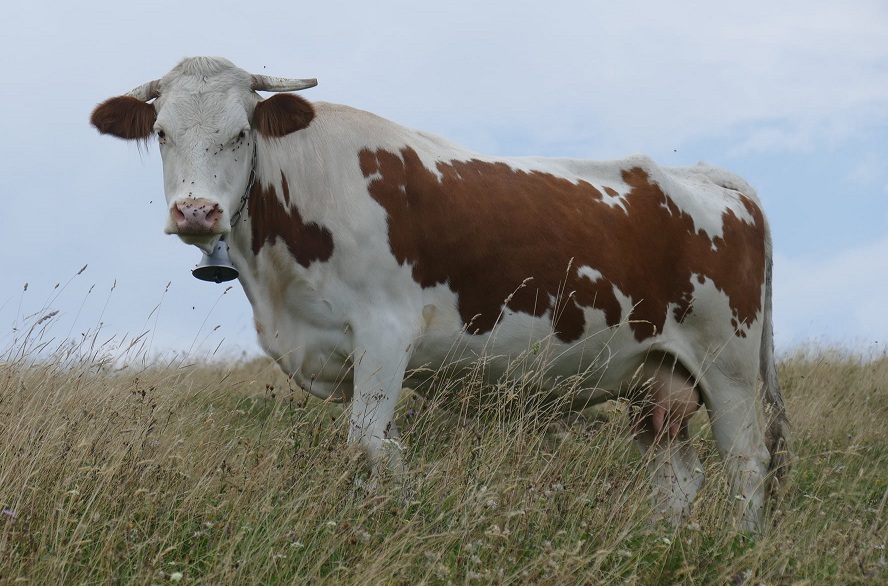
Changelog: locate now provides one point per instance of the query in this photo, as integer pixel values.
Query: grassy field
(218, 473)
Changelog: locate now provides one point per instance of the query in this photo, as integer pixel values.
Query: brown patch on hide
(282, 114)
(125, 117)
(484, 228)
(270, 220)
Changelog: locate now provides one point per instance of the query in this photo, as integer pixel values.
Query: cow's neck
(246, 196)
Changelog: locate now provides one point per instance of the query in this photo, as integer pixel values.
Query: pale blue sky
(792, 95)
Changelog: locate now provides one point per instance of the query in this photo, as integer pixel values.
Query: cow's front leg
(378, 375)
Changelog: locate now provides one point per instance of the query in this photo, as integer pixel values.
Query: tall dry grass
(217, 473)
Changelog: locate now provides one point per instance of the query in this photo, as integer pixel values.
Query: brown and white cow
(368, 250)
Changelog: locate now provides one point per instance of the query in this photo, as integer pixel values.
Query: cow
(373, 255)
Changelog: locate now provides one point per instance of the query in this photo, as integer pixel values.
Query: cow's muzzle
(196, 217)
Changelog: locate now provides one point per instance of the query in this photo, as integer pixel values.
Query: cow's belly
(522, 349)
(601, 364)
(313, 344)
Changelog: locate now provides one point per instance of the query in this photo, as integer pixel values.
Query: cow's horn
(267, 83)
(146, 91)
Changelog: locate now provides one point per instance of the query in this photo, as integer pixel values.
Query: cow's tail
(776, 421)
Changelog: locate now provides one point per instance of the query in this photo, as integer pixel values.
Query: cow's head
(206, 116)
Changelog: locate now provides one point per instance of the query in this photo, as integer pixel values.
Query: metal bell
(216, 267)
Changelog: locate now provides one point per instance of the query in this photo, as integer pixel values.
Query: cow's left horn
(146, 91)
(267, 83)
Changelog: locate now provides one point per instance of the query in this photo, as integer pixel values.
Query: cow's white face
(207, 118)
(207, 144)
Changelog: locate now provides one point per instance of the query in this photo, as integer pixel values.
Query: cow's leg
(669, 399)
(675, 472)
(378, 375)
(738, 434)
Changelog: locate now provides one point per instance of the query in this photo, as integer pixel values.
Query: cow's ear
(282, 114)
(125, 117)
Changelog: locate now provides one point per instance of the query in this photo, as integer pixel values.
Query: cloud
(564, 78)
(871, 169)
(839, 300)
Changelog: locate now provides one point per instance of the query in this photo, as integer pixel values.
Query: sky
(791, 95)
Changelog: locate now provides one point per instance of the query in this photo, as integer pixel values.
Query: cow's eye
(242, 135)
(161, 134)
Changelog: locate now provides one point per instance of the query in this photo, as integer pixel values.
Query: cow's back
(594, 257)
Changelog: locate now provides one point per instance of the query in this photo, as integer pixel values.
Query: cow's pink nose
(196, 216)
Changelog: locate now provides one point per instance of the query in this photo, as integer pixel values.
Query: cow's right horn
(267, 83)
(146, 91)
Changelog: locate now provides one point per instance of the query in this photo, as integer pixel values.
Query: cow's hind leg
(675, 472)
(738, 434)
(666, 398)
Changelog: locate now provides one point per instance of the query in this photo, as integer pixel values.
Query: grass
(217, 473)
